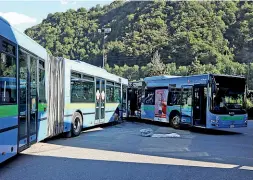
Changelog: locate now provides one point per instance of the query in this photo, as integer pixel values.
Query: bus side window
(169, 103)
(174, 97)
(149, 98)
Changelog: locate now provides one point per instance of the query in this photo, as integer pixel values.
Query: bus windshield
(227, 96)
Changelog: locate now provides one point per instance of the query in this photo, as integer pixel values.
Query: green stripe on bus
(8, 111)
(171, 108)
(231, 118)
(149, 108)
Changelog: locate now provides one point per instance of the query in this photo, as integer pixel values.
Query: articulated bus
(42, 96)
(207, 101)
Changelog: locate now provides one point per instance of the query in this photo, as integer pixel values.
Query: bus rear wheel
(76, 126)
(175, 121)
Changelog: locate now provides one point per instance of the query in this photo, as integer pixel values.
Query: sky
(23, 14)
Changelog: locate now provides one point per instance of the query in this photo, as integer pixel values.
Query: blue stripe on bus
(8, 144)
(6, 122)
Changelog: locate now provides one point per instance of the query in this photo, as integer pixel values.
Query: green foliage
(192, 37)
(156, 67)
(153, 69)
(248, 104)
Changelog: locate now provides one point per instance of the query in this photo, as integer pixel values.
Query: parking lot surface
(119, 152)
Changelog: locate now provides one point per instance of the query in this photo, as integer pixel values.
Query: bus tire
(175, 121)
(76, 125)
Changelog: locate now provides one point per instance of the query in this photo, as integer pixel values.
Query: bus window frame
(110, 84)
(83, 80)
(171, 90)
(145, 92)
(16, 63)
(38, 80)
(11, 43)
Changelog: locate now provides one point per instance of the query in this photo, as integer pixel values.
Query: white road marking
(247, 168)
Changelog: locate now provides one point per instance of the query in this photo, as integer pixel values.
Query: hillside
(182, 32)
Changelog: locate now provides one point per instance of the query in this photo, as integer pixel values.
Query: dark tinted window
(117, 94)
(149, 98)
(174, 96)
(109, 93)
(42, 85)
(8, 48)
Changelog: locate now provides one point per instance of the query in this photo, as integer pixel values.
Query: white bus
(42, 96)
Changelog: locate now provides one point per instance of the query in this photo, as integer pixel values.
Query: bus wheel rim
(76, 124)
(175, 120)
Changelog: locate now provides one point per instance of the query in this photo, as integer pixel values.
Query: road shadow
(85, 130)
(186, 128)
(157, 123)
(32, 167)
(213, 131)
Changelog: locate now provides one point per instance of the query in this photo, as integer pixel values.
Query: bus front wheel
(175, 121)
(76, 126)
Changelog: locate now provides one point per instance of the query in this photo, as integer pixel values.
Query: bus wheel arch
(77, 123)
(174, 119)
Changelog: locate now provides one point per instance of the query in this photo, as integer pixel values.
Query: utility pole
(104, 31)
(248, 59)
(248, 73)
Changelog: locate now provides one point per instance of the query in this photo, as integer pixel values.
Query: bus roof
(225, 75)
(164, 77)
(21, 39)
(92, 70)
(154, 78)
(178, 81)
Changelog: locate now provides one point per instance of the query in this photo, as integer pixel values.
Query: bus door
(28, 101)
(132, 101)
(100, 101)
(186, 104)
(124, 101)
(200, 102)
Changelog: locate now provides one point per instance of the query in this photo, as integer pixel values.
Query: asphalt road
(120, 153)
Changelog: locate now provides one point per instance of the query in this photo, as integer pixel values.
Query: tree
(156, 67)
(192, 36)
(131, 73)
